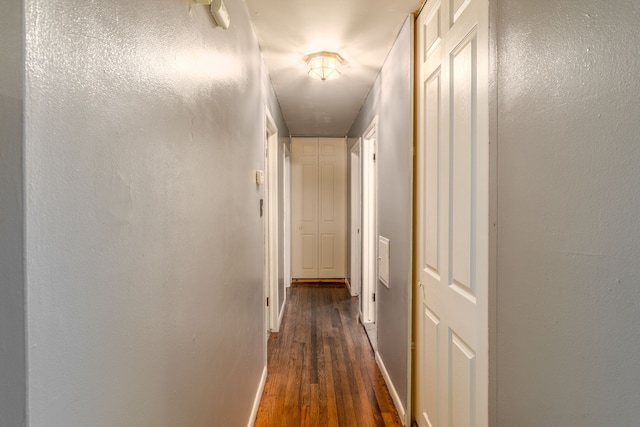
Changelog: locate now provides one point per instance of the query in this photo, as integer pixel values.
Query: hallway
(137, 149)
(321, 368)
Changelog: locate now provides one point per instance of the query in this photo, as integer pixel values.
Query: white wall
(390, 99)
(144, 256)
(12, 328)
(568, 197)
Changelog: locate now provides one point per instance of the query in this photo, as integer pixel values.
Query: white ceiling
(361, 31)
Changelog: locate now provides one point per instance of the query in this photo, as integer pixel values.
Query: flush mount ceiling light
(324, 65)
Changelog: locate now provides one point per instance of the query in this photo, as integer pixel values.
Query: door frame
(355, 281)
(369, 222)
(286, 193)
(271, 221)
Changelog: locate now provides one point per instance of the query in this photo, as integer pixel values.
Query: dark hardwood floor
(321, 368)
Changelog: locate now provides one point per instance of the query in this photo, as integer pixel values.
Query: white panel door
(453, 216)
(318, 198)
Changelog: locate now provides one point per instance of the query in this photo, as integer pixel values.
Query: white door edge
(287, 213)
(355, 214)
(271, 219)
(369, 224)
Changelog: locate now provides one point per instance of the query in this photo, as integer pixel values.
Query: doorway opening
(369, 230)
(286, 195)
(355, 281)
(271, 224)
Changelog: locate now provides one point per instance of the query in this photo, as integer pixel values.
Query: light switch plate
(259, 177)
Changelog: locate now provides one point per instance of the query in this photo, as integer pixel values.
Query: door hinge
(374, 297)
(413, 346)
(267, 301)
(374, 157)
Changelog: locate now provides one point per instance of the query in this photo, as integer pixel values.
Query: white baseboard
(256, 401)
(350, 289)
(281, 315)
(392, 390)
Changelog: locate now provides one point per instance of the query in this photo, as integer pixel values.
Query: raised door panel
(463, 141)
(431, 242)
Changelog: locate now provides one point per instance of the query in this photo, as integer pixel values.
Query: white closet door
(453, 215)
(318, 191)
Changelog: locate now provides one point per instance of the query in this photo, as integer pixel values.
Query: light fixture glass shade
(324, 65)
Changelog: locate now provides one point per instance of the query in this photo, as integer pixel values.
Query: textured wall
(390, 99)
(12, 327)
(144, 125)
(568, 206)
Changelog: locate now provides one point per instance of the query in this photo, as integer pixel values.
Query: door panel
(461, 387)
(327, 253)
(318, 207)
(432, 183)
(452, 292)
(463, 141)
(304, 207)
(308, 252)
(429, 351)
(328, 192)
(332, 226)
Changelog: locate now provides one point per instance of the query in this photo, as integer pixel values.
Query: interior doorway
(286, 195)
(355, 281)
(369, 229)
(270, 210)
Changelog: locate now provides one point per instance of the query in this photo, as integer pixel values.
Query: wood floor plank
(321, 368)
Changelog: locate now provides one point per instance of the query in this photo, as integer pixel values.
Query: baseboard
(281, 315)
(338, 282)
(256, 401)
(392, 390)
(351, 291)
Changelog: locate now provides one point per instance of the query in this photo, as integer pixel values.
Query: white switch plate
(218, 11)
(220, 14)
(383, 260)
